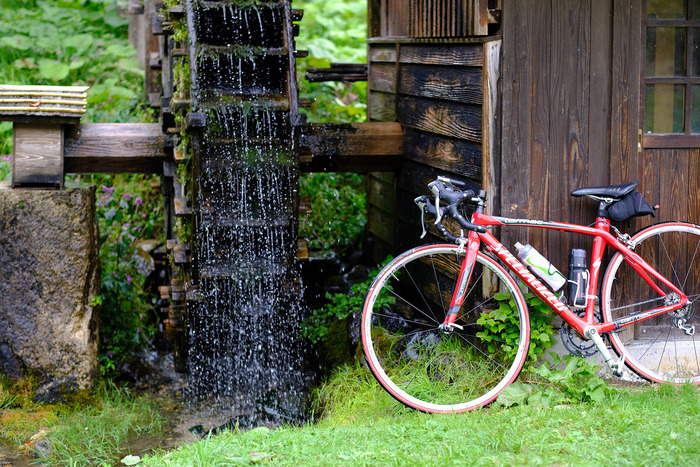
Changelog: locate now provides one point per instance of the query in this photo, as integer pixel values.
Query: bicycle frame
(586, 325)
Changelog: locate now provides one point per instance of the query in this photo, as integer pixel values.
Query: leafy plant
(5, 167)
(340, 306)
(501, 326)
(72, 42)
(338, 211)
(127, 214)
(566, 380)
(333, 32)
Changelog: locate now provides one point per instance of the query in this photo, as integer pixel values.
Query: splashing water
(244, 320)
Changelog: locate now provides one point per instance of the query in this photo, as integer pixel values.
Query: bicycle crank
(615, 366)
(574, 343)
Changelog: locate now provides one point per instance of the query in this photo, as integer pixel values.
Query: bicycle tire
(657, 349)
(438, 372)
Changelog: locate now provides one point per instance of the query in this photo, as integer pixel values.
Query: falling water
(244, 320)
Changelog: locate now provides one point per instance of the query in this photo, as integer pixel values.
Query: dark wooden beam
(115, 148)
(140, 147)
(348, 72)
(345, 147)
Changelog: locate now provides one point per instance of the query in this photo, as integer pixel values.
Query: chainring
(575, 344)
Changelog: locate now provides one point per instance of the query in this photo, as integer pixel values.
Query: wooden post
(37, 155)
(39, 114)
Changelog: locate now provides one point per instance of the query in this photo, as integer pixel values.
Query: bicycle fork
(470, 246)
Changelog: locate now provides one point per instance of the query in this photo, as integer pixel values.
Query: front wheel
(665, 348)
(431, 369)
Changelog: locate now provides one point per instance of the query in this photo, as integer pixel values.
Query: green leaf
(75, 64)
(109, 215)
(121, 92)
(121, 51)
(18, 42)
(79, 42)
(52, 69)
(131, 460)
(515, 394)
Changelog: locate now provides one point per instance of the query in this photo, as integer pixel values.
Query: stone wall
(49, 272)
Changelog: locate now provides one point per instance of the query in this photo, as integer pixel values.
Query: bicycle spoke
(417, 288)
(661, 348)
(437, 282)
(400, 297)
(423, 365)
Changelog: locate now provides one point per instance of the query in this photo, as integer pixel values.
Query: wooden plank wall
(436, 92)
(571, 71)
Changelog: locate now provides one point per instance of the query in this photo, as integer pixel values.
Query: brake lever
(436, 191)
(421, 202)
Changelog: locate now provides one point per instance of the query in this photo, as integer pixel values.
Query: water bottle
(578, 278)
(540, 266)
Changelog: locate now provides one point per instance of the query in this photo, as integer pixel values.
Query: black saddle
(611, 191)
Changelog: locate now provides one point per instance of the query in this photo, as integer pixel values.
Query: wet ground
(185, 422)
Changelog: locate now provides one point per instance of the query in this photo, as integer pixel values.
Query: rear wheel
(425, 367)
(664, 348)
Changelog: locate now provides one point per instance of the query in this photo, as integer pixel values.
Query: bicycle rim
(438, 372)
(661, 349)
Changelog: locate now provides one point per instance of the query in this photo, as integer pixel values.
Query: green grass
(97, 432)
(651, 425)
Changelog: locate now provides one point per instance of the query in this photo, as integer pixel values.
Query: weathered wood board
(351, 147)
(37, 155)
(115, 148)
(437, 92)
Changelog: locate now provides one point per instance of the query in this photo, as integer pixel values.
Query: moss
(335, 349)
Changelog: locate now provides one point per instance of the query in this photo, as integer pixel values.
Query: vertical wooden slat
(490, 128)
(693, 194)
(448, 18)
(600, 96)
(517, 82)
(571, 96)
(374, 18)
(625, 89)
(542, 83)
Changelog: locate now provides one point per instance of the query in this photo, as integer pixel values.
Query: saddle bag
(631, 205)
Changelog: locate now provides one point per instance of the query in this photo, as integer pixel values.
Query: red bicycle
(445, 328)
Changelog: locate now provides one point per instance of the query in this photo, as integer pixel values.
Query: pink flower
(138, 330)
(138, 201)
(126, 196)
(7, 159)
(128, 279)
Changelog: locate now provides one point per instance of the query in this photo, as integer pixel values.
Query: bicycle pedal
(618, 367)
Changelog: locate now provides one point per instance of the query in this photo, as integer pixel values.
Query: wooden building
(532, 99)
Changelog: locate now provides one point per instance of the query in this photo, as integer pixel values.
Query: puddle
(9, 456)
